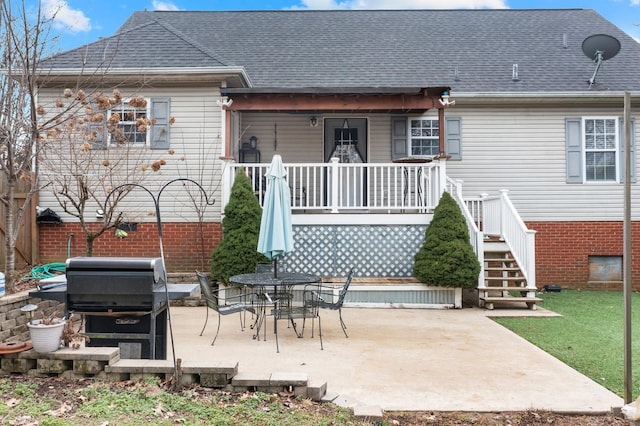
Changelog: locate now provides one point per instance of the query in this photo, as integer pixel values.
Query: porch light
(445, 101)
(313, 122)
(253, 142)
(29, 311)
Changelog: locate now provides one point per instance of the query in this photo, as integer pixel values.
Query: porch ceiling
(394, 100)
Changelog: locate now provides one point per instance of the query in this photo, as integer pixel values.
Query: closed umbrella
(276, 233)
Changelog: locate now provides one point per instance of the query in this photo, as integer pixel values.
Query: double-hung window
(600, 149)
(595, 150)
(129, 123)
(416, 136)
(424, 139)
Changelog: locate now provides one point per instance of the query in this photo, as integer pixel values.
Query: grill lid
(115, 264)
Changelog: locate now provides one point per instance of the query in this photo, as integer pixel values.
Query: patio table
(407, 176)
(281, 287)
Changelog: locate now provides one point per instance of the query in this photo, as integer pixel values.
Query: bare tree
(24, 38)
(94, 151)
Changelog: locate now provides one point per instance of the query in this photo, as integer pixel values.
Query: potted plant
(46, 332)
(446, 258)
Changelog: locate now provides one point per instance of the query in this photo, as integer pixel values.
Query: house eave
(226, 76)
(547, 99)
(362, 90)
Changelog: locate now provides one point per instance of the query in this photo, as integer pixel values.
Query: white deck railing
(496, 215)
(347, 187)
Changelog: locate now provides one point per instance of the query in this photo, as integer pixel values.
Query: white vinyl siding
(195, 148)
(289, 135)
(523, 150)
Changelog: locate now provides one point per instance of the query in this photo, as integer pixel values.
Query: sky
(79, 22)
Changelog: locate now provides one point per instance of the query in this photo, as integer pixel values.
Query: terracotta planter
(46, 337)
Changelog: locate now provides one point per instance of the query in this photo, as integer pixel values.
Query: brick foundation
(563, 250)
(187, 246)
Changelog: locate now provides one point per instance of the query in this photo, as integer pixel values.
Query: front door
(346, 139)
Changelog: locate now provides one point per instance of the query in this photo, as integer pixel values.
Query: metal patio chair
(324, 297)
(213, 302)
(279, 295)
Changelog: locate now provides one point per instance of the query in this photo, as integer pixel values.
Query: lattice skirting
(377, 251)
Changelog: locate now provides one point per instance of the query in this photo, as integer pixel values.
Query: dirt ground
(519, 418)
(66, 393)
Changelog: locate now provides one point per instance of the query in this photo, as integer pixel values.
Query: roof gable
(153, 44)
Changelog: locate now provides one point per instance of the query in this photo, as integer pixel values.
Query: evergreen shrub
(237, 252)
(446, 257)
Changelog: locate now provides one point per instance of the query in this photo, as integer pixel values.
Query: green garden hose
(46, 271)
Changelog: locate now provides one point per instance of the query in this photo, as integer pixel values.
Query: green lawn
(589, 336)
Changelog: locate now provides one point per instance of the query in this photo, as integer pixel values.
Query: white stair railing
(499, 217)
(476, 237)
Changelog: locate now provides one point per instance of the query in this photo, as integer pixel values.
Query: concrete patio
(404, 359)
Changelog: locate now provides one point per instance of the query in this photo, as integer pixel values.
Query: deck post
(335, 183)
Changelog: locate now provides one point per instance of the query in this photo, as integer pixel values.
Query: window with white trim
(129, 123)
(424, 136)
(600, 148)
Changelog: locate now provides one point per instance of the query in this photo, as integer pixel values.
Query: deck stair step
(496, 247)
(506, 288)
(503, 279)
(505, 269)
(530, 301)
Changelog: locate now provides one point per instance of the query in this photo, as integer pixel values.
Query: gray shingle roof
(406, 48)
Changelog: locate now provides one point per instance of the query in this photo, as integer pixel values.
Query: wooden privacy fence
(27, 241)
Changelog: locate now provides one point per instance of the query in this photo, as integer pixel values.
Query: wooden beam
(315, 102)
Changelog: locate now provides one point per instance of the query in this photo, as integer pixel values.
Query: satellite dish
(600, 47)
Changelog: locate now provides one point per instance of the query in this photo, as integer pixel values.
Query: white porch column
(442, 179)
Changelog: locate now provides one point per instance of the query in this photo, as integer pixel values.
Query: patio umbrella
(276, 233)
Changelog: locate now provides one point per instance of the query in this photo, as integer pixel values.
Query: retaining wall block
(139, 377)
(112, 377)
(88, 366)
(15, 365)
(188, 379)
(56, 366)
(316, 390)
(214, 380)
(300, 391)
(72, 375)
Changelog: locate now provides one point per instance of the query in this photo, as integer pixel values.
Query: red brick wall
(563, 250)
(187, 246)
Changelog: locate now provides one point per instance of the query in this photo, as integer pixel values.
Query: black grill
(124, 301)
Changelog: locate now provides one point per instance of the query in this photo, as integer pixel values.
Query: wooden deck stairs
(503, 279)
